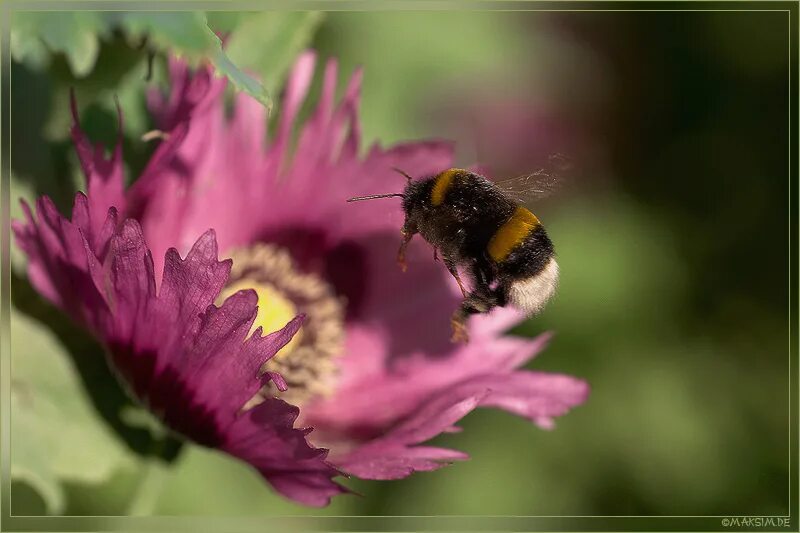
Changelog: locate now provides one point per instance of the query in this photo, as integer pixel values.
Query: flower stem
(163, 450)
(149, 489)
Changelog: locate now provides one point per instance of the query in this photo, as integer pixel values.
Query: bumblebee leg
(407, 232)
(451, 267)
(480, 301)
(483, 272)
(502, 295)
(435, 254)
(459, 325)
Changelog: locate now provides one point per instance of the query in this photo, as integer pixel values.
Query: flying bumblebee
(481, 226)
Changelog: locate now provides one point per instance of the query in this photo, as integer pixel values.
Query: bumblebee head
(416, 195)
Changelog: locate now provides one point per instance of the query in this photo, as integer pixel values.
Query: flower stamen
(307, 363)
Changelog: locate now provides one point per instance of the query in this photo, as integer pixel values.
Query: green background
(671, 229)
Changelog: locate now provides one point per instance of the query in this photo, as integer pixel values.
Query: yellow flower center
(308, 363)
(274, 309)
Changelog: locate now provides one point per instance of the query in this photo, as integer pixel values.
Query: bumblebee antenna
(409, 178)
(374, 196)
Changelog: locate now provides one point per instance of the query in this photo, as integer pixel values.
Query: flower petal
(187, 359)
(395, 455)
(57, 264)
(378, 388)
(537, 396)
(297, 87)
(265, 437)
(534, 395)
(161, 197)
(233, 380)
(105, 181)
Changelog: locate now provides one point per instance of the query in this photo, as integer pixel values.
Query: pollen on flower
(307, 363)
(274, 309)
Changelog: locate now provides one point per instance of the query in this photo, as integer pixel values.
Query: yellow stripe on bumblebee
(443, 183)
(511, 234)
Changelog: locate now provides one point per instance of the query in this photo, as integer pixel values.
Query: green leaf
(188, 34)
(239, 79)
(26, 47)
(268, 42)
(225, 21)
(77, 35)
(55, 432)
(184, 32)
(73, 33)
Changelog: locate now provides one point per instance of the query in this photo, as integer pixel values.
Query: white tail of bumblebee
(530, 295)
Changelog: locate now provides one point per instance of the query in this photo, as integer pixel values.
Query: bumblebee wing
(528, 187)
(539, 184)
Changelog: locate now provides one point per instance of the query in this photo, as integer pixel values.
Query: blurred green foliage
(55, 432)
(78, 34)
(671, 236)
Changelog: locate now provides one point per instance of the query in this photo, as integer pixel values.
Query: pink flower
(367, 361)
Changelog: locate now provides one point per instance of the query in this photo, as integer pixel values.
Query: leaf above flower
(78, 35)
(268, 42)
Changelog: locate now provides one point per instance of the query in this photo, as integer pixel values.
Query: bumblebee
(479, 225)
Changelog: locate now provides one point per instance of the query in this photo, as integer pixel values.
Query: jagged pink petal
(395, 455)
(266, 438)
(297, 87)
(191, 362)
(534, 395)
(385, 374)
(105, 181)
(538, 396)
